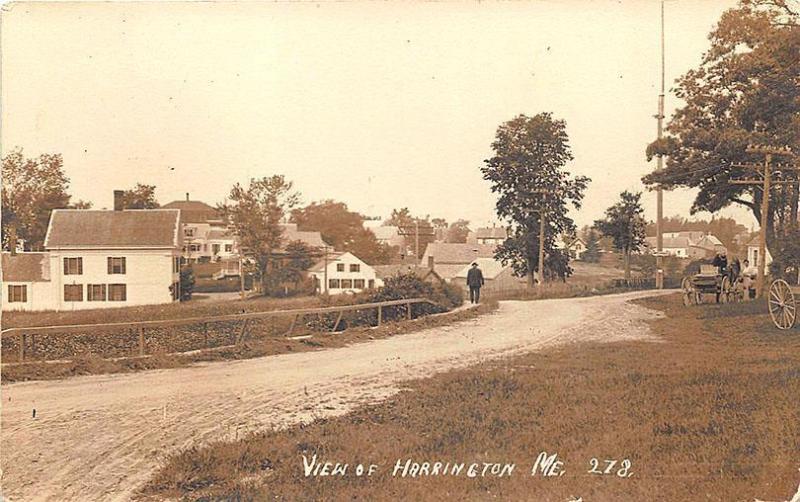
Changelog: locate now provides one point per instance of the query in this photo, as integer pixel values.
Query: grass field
(709, 412)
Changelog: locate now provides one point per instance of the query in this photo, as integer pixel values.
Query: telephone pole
(659, 167)
(766, 184)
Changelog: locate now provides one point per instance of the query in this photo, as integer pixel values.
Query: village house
(449, 258)
(343, 273)
(576, 248)
(98, 259)
(752, 253)
(496, 276)
(427, 274)
(694, 244)
(206, 235)
(488, 235)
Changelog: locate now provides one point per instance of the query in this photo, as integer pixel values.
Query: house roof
(79, 228)
(456, 253)
(385, 232)
(384, 271)
(218, 233)
(491, 233)
(26, 267)
(291, 233)
(669, 242)
(490, 268)
(194, 211)
(320, 265)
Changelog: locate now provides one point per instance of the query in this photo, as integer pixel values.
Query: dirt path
(100, 437)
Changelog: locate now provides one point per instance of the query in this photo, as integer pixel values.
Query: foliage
(786, 257)
(140, 197)
(458, 231)
(344, 230)
(187, 283)
(32, 188)
(529, 156)
(401, 286)
(744, 92)
(624, 223)
(410, 226)
(255, 213)
(289, 269)
(592, 253)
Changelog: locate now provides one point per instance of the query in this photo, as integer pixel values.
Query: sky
(378, 105)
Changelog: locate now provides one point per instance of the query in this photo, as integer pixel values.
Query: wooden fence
(26, 337)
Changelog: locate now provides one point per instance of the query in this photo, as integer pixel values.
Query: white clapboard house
(98, 259)
(346, 273)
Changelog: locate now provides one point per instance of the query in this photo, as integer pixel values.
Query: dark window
(333, 283)
(228, 248)
(73, 266)
(371, 283)
(347, 283)
(96, 292)
(176, 265)
(116, 265)
(73, 292)
(340, 267)
(117, 292)
(355, 267)
(358, 283)
(17, 293)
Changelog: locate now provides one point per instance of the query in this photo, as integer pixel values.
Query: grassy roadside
(712, 413)
(258, 345)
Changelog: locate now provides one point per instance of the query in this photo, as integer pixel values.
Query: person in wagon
(474, 282)
(721, 262)
(748, 274)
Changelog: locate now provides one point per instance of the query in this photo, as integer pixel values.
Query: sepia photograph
(542, 250)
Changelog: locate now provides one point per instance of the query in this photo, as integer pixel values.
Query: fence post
(380, 314)
(240, 338)
(205, 334)
(408, 311)
(338, 320)
(21, 347)
(33, 344)
(141, 341)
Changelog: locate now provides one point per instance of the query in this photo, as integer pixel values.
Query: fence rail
(27, 336)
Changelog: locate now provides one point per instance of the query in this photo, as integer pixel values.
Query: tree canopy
(140, 197)
(32, 188)
(256, 212)
(624, 223)
(743, 93)
(527, 172)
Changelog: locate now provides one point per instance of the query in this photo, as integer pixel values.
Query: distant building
(576, 248)
(98, 259)
(688, 244)
(496, 276)
(449, 258)
(427, 274)
(488, 235)
(206, 235)
(752, 253)
(346, 273)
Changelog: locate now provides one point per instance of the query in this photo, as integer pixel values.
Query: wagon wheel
(689, 295)
(725, 290)
(782, 305)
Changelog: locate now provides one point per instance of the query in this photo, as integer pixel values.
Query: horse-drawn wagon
(709, 281)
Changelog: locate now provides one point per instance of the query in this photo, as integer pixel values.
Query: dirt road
(100, 437)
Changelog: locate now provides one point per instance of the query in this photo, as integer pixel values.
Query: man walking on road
(474, 282)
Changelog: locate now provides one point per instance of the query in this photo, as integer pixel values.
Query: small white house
(752, 253)
(343, 273)
(576, 248)
(98, 259)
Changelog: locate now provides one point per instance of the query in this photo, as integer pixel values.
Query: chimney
(187, 196)
(118, 194)
(430, 262)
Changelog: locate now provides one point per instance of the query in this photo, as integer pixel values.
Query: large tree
(458, 231)
(140, 197)
(744, 92)
(527, 172)
(256, 212)
(624, 223)
(32, 188)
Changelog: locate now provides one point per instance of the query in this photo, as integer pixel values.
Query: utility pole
(659, 167)
(766, 184)
(540, 273)
(325, 271)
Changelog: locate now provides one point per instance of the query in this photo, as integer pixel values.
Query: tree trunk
(531, 274)
(793, 203)
(626, 256)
